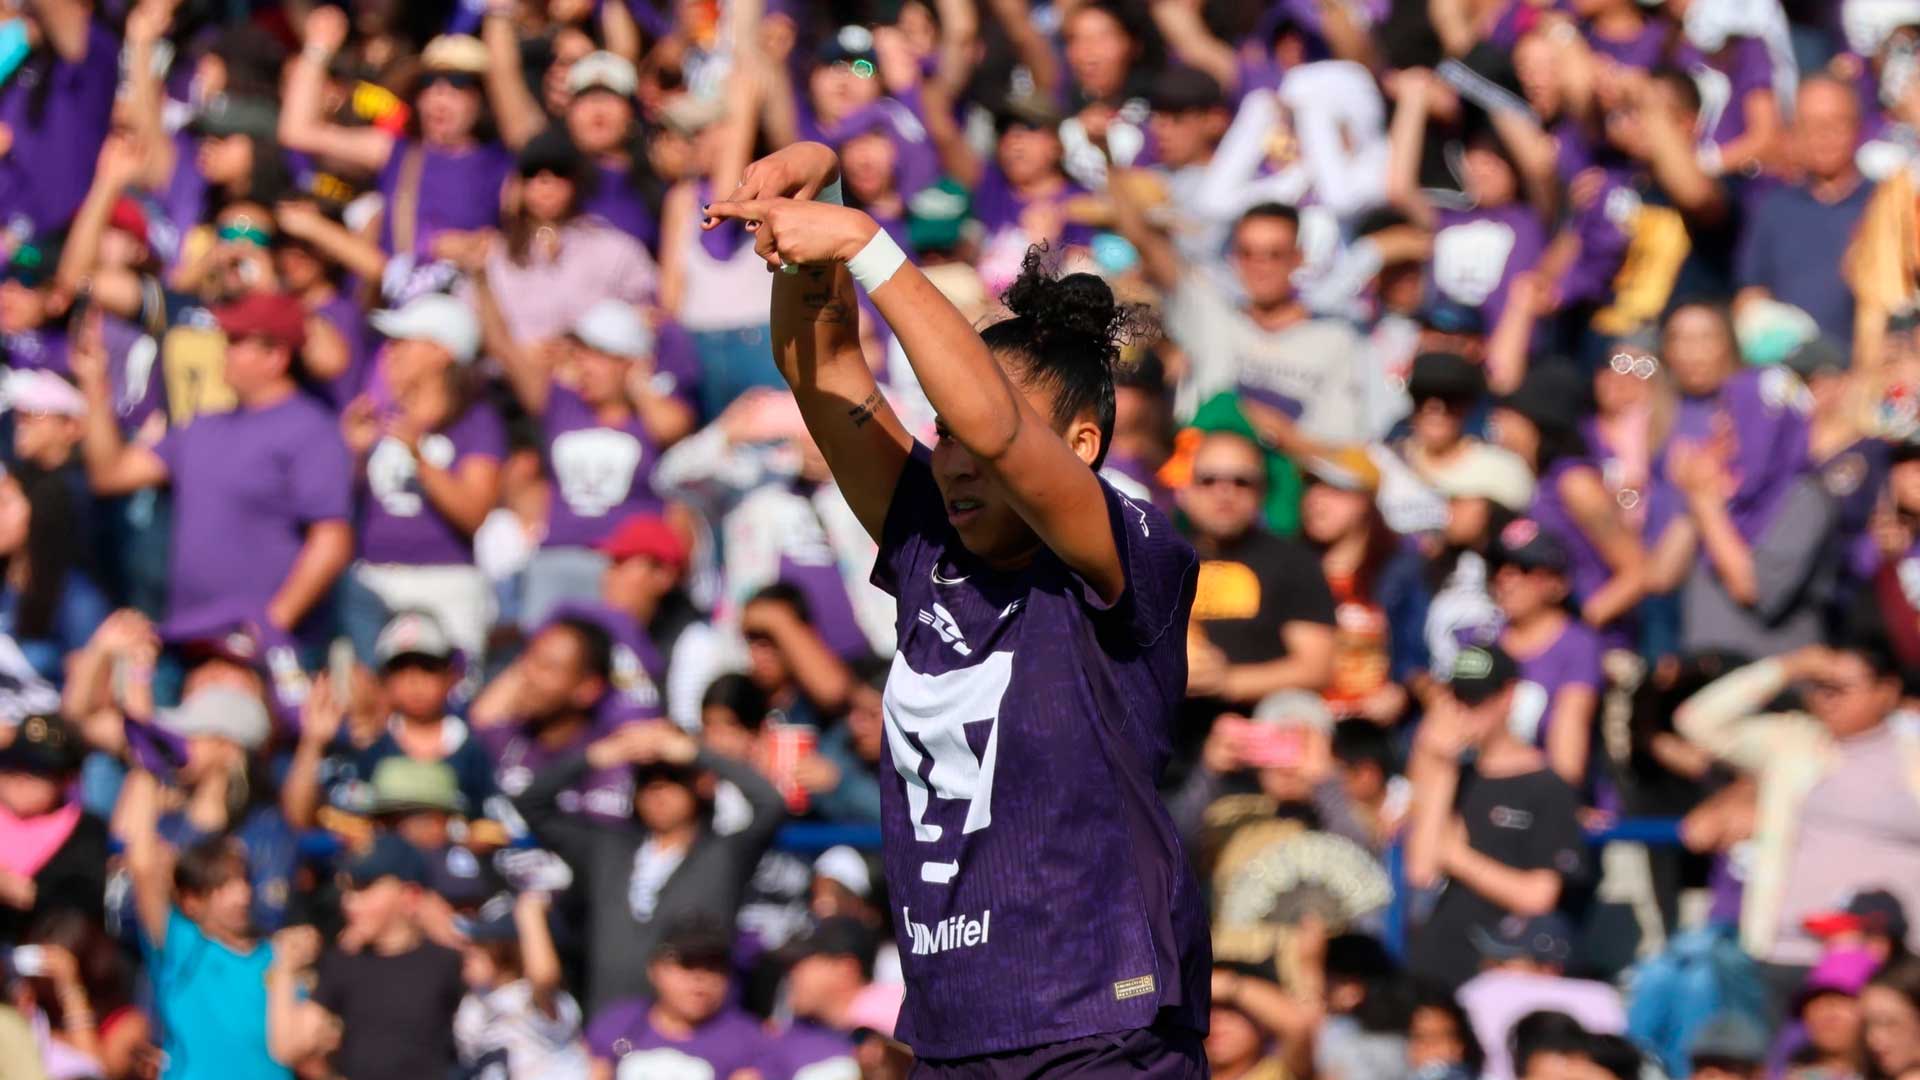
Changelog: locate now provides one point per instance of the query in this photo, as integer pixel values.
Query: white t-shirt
(502, 1036)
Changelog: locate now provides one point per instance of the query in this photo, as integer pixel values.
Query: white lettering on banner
(595, 468)
(1469, 259)
(934, 711)
(956, 932)
(391, 471)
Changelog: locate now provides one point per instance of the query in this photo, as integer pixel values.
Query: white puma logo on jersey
(943, 624)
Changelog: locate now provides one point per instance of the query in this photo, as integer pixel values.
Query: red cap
(646, 535)
(127, 216)
(1826, 924)
(275, 316)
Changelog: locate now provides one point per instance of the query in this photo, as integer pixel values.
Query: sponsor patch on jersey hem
(1132, 988)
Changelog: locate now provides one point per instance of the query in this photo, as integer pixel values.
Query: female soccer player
(1047, 919)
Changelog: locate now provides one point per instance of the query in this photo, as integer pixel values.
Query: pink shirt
(595, 262)
(26, 844)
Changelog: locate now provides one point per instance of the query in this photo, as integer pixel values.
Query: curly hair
(1064, 338)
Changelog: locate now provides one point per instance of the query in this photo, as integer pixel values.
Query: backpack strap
(404, 214)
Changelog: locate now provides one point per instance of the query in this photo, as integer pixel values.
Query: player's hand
(794, 172)
(791, 233)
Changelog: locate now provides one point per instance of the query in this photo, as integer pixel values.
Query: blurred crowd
(431, 645)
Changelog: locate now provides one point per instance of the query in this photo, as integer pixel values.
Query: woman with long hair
(1890, 1020)
(1034, 601)
(48, 604)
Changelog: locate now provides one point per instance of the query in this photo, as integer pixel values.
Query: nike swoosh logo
(938, 580)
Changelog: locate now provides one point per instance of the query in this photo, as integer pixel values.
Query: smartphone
(29, 961)
(340, 667)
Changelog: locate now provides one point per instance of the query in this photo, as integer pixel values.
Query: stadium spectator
(1891, 1017)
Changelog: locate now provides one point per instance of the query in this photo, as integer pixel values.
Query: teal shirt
(211, 1003)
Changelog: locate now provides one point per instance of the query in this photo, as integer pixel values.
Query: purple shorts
(1162, 1052)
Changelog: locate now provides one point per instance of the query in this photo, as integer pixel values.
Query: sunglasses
(459, 80)
(1640, 367)
(242, 230)
(1238, 481)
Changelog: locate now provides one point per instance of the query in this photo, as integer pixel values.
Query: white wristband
(877, 262)
(831, 194)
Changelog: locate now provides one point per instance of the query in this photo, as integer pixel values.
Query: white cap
(223, 712)
(1303, 708)
(412, 633)
(603, 70)
(614, 327)
(846, 866)
(435, 317)
(32, 390)
(1480, 471)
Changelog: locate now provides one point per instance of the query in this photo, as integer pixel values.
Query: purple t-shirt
(1573, 660)
(398, 523)
(1643, 50)
(1476, 253)
(1724, 79)
(133, 365)
(41, 349)
(1589, 571)
(1605, 227)
(246, 486)
(916, 164)
(601, 475)
(637, 667)
(1058, 904)
(459, 190)
(350, 321)
(604, 795)
(725, 1044)
(59, 115)
(806, 1045)
(617, 201)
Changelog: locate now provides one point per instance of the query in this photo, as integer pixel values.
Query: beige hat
(689, 115)
(1480, 471)
(455, 52)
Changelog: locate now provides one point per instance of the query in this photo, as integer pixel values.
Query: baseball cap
(850, 44)
(129, 217)
(937, 216)
(1525, 545)
(412, 633)
(43, 745)
(1840, 971)
(1185, 89)
(1544, 939)
(1729, 1038)
(837, 935)
(1550, 396)
(1480, 672)
(614, 327)
(1025, 110)
(1870, 911)
(463, 53)
(32, 263)
(1817, 356)
(223, 712)
(1480, 471)
(1349, 468)
(403, 785)
(602, 70)
(387, 856)
(645, 534)
(1447, 376)
(1445, 315)
(277, 317)
(1299, 707)
(696, 941)
(464, 879)
(229, 114)
(435, 317)
(690, 114)
(39, 392)
(846, 866)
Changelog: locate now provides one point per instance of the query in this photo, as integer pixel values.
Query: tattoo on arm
(818, 297)
(863, 412)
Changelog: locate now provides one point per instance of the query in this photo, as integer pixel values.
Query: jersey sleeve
(914, 520)
(1160, 566)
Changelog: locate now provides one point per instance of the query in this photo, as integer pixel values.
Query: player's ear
(1084, 436)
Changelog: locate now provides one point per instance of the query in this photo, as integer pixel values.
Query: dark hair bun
(1077, 311)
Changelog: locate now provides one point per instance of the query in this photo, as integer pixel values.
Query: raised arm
(302, 126)
(146, 24)
(516, 113)
(114, 467)
(65, 23)
(1048, 482)
(1597, 515)
(149, 864)
(1405, 137)
(1184, 25)
(1159, 260)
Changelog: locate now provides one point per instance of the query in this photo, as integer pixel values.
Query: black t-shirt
(1527, 822)
(1255, 586)
(396, 1012)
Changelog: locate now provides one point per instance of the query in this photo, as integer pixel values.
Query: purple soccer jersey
(806, 1051)
(601, 475)
(1041, 892)
(398, 524)
(458, 190)
(1573, 660)
(725, 1044)
(1476, 254)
